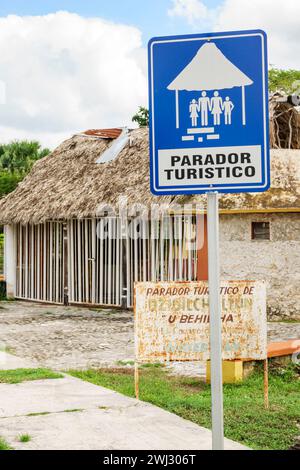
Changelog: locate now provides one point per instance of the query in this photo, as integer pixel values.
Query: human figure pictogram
(228, 107)
(194, 112)
(204, 106)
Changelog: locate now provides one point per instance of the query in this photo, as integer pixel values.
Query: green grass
(73, 410)
(24, 438)
(40, 413)
(245, 417)
(4, 445)
(20, 375)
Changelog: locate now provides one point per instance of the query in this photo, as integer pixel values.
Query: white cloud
(65, 73)
(279, 18)
(191, 10)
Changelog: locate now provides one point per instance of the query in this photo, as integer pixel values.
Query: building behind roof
(61, 247)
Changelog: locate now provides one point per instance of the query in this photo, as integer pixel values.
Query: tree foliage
(141, 117)
(287, 81)
(19, 156)
(8, 182)
(16, 160)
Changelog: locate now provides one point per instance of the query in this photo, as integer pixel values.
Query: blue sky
(151, 16)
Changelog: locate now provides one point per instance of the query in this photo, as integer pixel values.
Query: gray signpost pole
(215, 321)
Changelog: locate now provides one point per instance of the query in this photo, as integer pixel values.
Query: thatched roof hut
(60, 249)
(69, 183)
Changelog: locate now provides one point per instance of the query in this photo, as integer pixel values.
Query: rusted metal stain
(172, 321)
(104, 133)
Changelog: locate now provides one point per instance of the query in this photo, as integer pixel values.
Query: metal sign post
(215, 321)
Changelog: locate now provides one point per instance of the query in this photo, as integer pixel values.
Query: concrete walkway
(69, 413)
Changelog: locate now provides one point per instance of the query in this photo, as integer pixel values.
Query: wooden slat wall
(154, 250)
(40, 263)
(164, 251)
(94, 252)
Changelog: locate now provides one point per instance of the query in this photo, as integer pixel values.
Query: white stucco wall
(276, 261)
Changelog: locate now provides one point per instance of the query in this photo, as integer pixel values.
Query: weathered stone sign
(172, 321)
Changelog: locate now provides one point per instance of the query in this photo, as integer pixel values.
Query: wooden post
(136, 380)
(65, 253)
(266, 384)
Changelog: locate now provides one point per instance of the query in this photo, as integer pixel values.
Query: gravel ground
(66, 337)
(73, 337)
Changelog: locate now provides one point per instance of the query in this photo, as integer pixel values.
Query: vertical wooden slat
(64, 271)
(180, 249)
(26, 262)
(153, 278)
(144, 235)
(17, 260)
(157, 252)
(93, 235)
(45, 261)
(20, 261)
(140, 251)
(71, 256)
(97, 262)
(109, 240)
(128, 266)
(51, 262)
(75, 272)
(57, 261)
(79, 266)
(161, 244)
(114, 261)
(36, 261)
(135, 250)
(38, 273)
(31, 242)
(87, 262)
(105, 261)
(118, 263)
(170, 220)
(101, 261)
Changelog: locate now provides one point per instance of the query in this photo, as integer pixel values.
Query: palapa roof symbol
(209, 70)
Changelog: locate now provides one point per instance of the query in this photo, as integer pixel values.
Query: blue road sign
(209, 113)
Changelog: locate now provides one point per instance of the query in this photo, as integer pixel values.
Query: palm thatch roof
(69, 183)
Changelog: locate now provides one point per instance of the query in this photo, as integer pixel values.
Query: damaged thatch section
(70, 184)
(284, 122)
